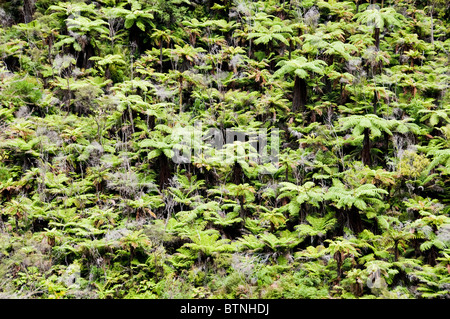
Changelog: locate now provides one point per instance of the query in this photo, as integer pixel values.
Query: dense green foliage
(93, 206)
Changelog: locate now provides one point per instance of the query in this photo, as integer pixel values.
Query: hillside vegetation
(94, 204)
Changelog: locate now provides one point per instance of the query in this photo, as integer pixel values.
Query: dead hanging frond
(125, 183)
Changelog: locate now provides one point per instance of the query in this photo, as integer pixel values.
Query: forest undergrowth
(354, 96)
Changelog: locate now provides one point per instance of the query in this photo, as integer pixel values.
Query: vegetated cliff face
(337, 188)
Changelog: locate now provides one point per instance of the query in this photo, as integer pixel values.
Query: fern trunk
(151, 122)
(431, 256)
(355, 221)
(377, 38)
(299, 98)
(28, 10)
(236, 177)
(365, 154)
(375, 102)
(242, 209)
(88, 51)
(396, 252)
(164, 171)
(107, 72)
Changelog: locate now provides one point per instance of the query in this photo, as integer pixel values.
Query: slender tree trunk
(130, 114)
(432, 25)
(180, 92)
(157, 269)
(339, 261)
(161, 56)
(365, 155)
(49, 42)
(69, 93)
(299, 99)
(99, 130)
(269, 49)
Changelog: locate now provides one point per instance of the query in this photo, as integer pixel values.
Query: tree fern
(203, 245)
(300, 67)
(379, 19)
(359, 197)
(220, 219)
(268, 31)
(318, 226)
